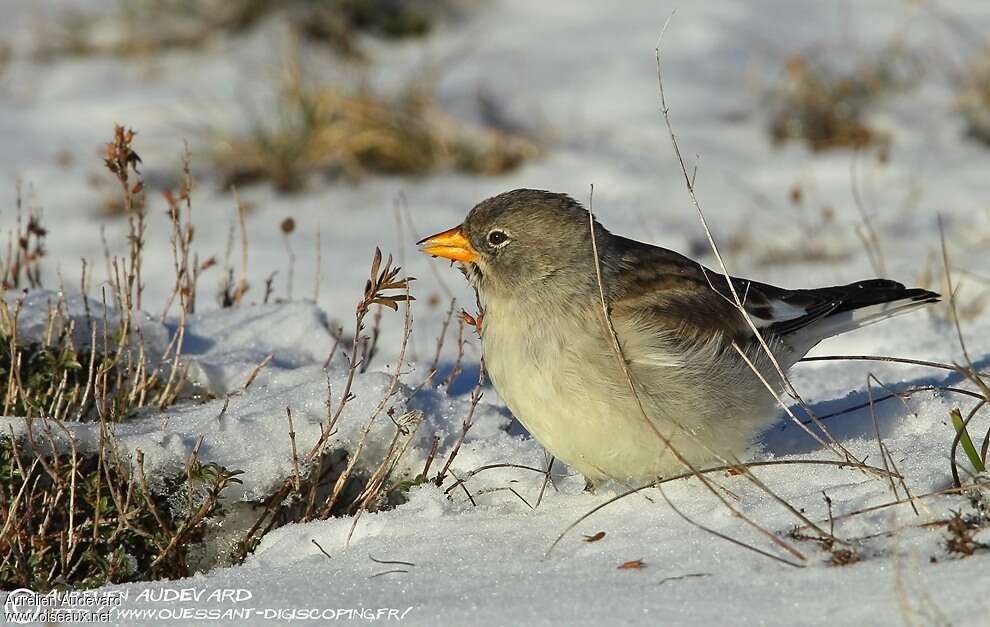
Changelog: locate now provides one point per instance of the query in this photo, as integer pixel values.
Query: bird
(626, 360)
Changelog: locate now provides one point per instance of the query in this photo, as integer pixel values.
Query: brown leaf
(595, 538)
(132, 159)
(387, 302)
(474, 321)
(632, 565)
(376, 262)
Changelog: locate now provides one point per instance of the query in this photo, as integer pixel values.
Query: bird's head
(517, 242)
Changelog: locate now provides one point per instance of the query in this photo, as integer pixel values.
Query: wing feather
(682, 294)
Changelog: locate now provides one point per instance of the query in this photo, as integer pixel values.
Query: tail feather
(851, 318)
(833, 310)
(878, 291)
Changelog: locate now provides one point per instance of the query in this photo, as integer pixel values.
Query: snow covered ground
(586, 72)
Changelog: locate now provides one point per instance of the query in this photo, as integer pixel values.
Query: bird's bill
(450, 244)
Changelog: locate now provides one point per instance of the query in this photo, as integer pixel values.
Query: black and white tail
(867, 302)
(810, 316)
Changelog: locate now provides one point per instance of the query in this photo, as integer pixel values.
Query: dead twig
(466, 425)
(687, 475)
(322, 550)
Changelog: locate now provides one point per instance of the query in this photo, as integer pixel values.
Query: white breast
(559, 382)
(562, 381)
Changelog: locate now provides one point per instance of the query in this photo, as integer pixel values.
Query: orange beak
(451, 244)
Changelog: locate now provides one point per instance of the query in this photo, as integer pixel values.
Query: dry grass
(146, 27)
(338, 23)
(332, 132)
(322, 130)
(329, 485)
(86, 516)
(826, 107)
(5, 56)
(973, 98)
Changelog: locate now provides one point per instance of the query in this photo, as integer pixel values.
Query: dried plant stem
(739, 305)
(295, 455)
(783, 405)
(73, 513)
(292, 264)
(903, 501)
(482, 469)
(378, 290)
(257, 370)
(389, 393)
(242, 284)
(439, 345)
(370, 347)
(319, 267)
(146, 491)
(405, 429)
(969, 370)
(876, 432)
(547, 479)
(704, 471)
(866, 232)
(723, 536)
(736, 301)
(465, 425)
(455, 370)
(888, 459)
(900, 395)
(897, 360)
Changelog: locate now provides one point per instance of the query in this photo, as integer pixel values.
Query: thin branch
(721, 535)
(322, 550)
(897, 360)
(688, 475)
(737, 302)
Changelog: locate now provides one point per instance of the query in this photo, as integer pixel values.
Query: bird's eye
(497, 238)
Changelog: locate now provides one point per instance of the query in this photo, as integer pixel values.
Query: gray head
(515, 241)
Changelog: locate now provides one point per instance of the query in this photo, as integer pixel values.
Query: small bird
(550, 353)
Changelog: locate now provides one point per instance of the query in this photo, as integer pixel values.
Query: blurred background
(826, 137)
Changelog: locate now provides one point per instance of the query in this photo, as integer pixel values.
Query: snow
(587, 72)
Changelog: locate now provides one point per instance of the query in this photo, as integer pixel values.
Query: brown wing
(696, 299)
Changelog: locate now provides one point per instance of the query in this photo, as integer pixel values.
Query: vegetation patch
(86, 520)
(77, 508)
(146, 27)
(352, 134)
(973, 100)
(826, 107)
